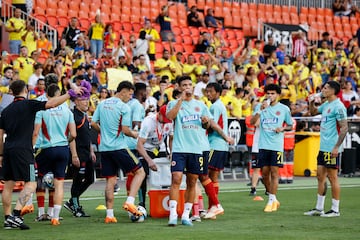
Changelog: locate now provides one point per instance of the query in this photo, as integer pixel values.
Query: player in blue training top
(112, 120)
(187, 114)
(273, 115)
(333, 129)
(218, 143)
(58, 129)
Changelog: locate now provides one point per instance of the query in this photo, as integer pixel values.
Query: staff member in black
(16, 153)
(83, 156)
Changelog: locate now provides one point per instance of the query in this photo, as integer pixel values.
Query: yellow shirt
(190, 70)
(155, 36)
(255, 66)
(15, 23)
(29, 42)
(237, 107)
(226, 100)
(200, 69)
(161, 63)
(154, 89)
(25, 66)
(143, 68)
(247, 111)
(178, 66)
(287, 69)
(97, 31)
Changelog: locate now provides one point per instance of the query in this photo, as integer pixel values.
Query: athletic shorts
(187, 162)
(206, 155)
(53, 159)
(325, 159)
(270, 158)
(217, 159)
(124, 159)
(18, 165)
(255, 160)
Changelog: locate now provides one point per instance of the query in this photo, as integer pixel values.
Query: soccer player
(333, 130)
(112, 118)
(273, 115)
(58, 129)
(154, 130)
(187, 114)
(16, 154)
(82, 154)
(218, 143)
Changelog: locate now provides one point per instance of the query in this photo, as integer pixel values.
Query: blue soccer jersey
(271, 118)
(54, 126)
(137, 115)
(188, 132)
(330, 114)
(218, 111)
(112, 114)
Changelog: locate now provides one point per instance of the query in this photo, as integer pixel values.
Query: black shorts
(270, 158)
(255, 160)
(187, 162)
(18, 165)
(325, 159)
(206, 155)
(53, 159)
(217, 159)
(112, 161)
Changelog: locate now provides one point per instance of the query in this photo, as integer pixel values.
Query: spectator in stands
(177, 59)
(344, 8)
(164, 66)
(24, 64)
(161, 96)
(350, 98)
(210, 20)
(43, 45)
(104, 94)
(90, 74)
(152, 36)
(357, 113)
(280, 53)
(39, 88)
(200, 87)
(7, 77)
(203, 44)
(269, 47)
(142, 47)
(218, 39)
(61, 49)
(189, 68)
(96, 36)
(14, 27)
(299, 43)
(4, 61)
(29, 36)
(165, 23)
(326, 37)
(71, 33)
(193, 18)
(33, 79)
(109, 38)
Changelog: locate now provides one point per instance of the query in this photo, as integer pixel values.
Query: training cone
(101, 207)
(258, 198)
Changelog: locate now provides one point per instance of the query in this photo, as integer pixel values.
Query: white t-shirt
(349, 96)
(198, 90)
(33, 79)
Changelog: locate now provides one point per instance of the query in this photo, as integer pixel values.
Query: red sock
(201, 202)
(216, 187)
(40, 197)
(51, 198)
(129, 179)
(195, 209)
(210, 192)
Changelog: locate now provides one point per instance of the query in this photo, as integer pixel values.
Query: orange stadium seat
(194, 31)
(328, 12)
(239, 34)
(52, 20)
(312, 11)
(237, 22)
(117, 25)
(40, 17)
(124, 17)
(72, 13)
(63, 21)
(209, 3)
(51, 4)
(176, 30)
(51, 11)
(145, 3)
(337, 20)
(228, 21)
(178, 47)
(218, 12)
(83, 14)
(39, 10)
(106, 2)
(137, 27)
(145, 12)
(94, 7)
(302, 18)
(294, 18)
(84, 22)
(178, 39)
(293, 9)
(187, 39)
(60, 30)
(188, 48)
(304, 10)
(200, 4)
(116, 10)
(191, 3)
(41, 4)
(127, 26)
(182, 22)
(135, 18)
(154, 12)
(252, 6)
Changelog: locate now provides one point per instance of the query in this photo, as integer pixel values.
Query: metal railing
(7, 12)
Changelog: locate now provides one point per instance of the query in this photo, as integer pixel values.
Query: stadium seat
(84, 22)
(52, 20)
(229, 34)
(145, 4)
(43, 4)
(176, 30)
(193, 31)
(40, 17)
(135, 18)
(304, 10)
(117, 26)
(154, 12)
(210, 4)
(145, 12)
(50, 4)
(37, 10)
(137, 27)
(71, 13)
(60, 30)
(228, 21)
(187, 40)
(191, 3)
(125, 18)
(63, 21)
(237, 22)
(252, 6)
(83, 14)
(218, 12)
(127, 26)
(200, 4)
(294, 18)
(94, 7)
(178, 47)
(188, 48)
(328, 12)
(312, 11)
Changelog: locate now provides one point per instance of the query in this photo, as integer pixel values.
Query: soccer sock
(40, 200)
(211, 193)
(110, 213)
(216, 187)
(271, 198)
(75, 202)
(187, 209)
(320, 202)
(129, 179)
(41, 211)
(50, 211)
(29, 202)
(335, 205)
(195, 209)
(130, 200)
(173, 208)
(201, 202)
(57, 209)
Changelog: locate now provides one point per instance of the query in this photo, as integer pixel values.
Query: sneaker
(27, 209)
(202, 213)
(110, 220)
(186, 222)
(42, 218)
(55, 222)
(252, 192)
(330, 213)
(80, 213)
(195, 218)
(8, 225)
(172, 222)
(314, 212)
(275, 206)
(70, 207)
(132, 209)
(15, 222)
(268, 208)
(213, 211)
